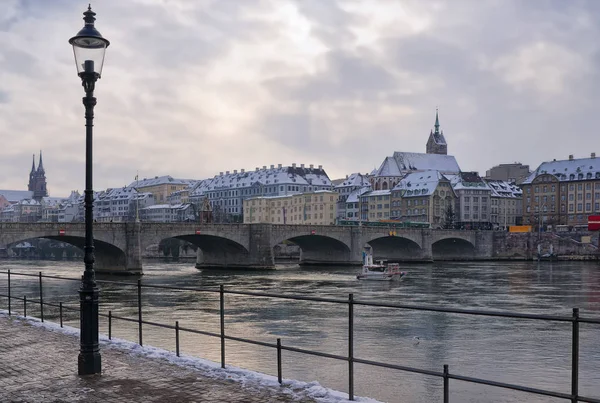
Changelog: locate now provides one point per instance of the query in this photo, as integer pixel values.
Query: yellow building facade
(313, 208)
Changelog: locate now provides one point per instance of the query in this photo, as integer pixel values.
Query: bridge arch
(217, 251)
(321, 250)
(395, 248)
(453, 248)
(108, 257)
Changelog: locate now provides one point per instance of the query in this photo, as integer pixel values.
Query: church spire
(40, 165)
(33, 164)
(437, 122)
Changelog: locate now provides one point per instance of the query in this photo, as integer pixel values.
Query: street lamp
(89, 47)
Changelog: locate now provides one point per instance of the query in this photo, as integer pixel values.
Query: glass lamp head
(89, 46)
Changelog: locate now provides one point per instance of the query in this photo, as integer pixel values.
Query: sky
(191, 88)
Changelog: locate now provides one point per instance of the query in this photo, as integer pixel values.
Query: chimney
(256, 170)
(264, 167)
(311, 166)
(272, 166)
(235, 171)
(320, 166)
(293, 165)
(593, 155)
(278, 165)
(242, 170)
(226, 172)
(570, 157)
(220, 173)
(301, 165)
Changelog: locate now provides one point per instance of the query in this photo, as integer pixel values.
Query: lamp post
(89, 47)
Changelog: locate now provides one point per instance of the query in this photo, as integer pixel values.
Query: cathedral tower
(436, 144)
(37, 180)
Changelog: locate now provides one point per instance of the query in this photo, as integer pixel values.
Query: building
(377, 204)
(436, 144)
(513, 173)
(506, 203)
(227, 191)
(563, 192)
(37, 180)
(425, 196)
(473, 201)
(167, 213)
(345, 189)
(161, 187)
(353, 205)
(396, 167)
(311, 208)
(27, 210)
(120, 204)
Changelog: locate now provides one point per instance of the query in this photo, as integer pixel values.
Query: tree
(449, 218)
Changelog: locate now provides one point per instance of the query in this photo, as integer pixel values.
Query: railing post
(351, 346)
(446, 385)
(109, 325)
(25, 305)
(177, 337)
(9, 297)
(575, 357)
(279, 360)
(139, 286)
(222, 314)
(41, 300)
(60, 313)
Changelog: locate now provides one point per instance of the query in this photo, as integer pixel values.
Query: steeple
(40, 165)
(437, 124)
(436, 144)
(33, 164)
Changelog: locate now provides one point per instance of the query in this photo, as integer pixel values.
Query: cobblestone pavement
(40, 365)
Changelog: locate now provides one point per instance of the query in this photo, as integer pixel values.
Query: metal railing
(575, 319)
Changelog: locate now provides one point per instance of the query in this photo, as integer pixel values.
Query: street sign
(197, 232)
(594, 223)
(61, 232)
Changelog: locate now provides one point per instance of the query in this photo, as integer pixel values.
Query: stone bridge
(119, 246)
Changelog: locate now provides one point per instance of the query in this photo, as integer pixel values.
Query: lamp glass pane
(89, 49)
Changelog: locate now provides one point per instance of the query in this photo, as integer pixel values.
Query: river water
(524, 352)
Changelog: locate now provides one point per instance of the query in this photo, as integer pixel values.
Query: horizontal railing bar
(146, 322)
(595, 321)
(588, 399)
(281, 296)
(399, 367)
(168, 287)
(317, 353)
(467, 311)
(510, 386)
(12, 273)
(204, 332)
(256, 342)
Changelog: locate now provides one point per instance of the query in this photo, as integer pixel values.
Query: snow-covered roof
(354, 180)
(504, 189)
(566, 170)
(14, 196)
(389, 167)
(467, 180)
(291, 175)
(160, 180)
(418, 184)
(377, 193)
(354, 196)
(407, 162)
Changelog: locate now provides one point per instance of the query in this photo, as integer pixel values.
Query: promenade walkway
(38, 364)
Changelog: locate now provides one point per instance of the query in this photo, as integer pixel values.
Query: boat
(379, 271)
(550, 256)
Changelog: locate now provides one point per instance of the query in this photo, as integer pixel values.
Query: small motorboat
(379, 271)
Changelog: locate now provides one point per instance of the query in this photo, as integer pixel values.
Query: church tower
(436, 144)
(37, 180)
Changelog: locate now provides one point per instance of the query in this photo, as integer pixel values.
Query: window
(579, 206)
(588, 196)
(553, 188)
(571, 208)
(588, 206)
(537, 189)
(467, 199)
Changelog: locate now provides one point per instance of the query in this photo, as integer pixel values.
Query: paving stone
(40, 365)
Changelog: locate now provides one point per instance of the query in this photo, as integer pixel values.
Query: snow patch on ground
(247, 378)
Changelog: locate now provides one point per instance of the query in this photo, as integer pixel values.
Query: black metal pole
(25, 305)
(350, 346)
(446, 385)
(109, 325)
(575, 357)
(279, 374)
(9, 297)
(60, 313)
(177, 337)
(139, 286)
(41, 300)
(222, 314)
(89, 360)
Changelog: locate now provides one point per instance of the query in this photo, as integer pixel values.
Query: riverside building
(311, 208)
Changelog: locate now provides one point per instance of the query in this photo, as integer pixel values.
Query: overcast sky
(191, 88)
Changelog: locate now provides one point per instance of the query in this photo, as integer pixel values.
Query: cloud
(194, 88)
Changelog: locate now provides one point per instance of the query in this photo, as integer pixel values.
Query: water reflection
(524, 352)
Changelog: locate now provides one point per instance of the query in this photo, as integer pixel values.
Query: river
(525, 352)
